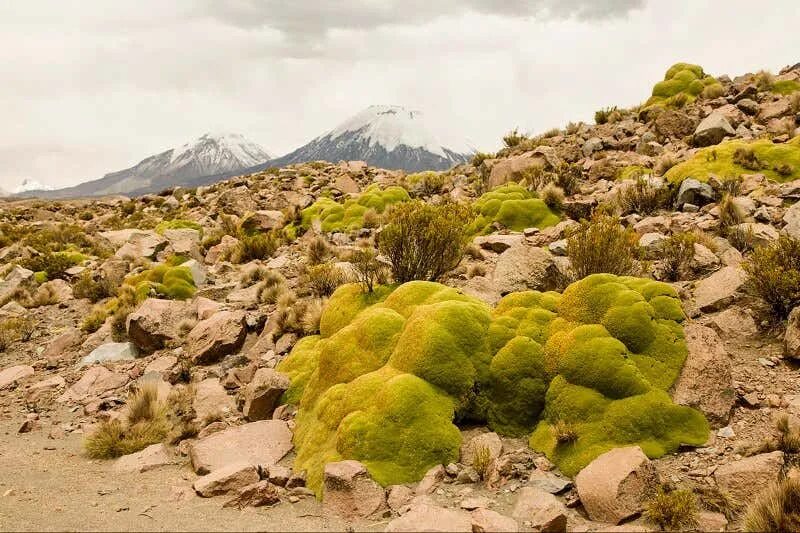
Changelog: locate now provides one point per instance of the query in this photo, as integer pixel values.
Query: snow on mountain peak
(220, 152)
(391, 126)
(31, 185)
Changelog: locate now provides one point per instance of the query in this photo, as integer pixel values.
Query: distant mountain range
(390, 137)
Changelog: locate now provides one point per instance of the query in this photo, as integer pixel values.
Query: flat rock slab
(12, 374)
(425, 517)
(261, 443)
(151, 457)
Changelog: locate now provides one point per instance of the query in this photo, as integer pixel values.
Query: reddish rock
(154, 325)
(428, 517)
(745, 478)
(12, 374)
(262, 443)
(232, 477)
(350, 492)
(214, 338)
(263, 394)
(543, 510)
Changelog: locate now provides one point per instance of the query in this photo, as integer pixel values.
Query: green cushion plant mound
(778, 162)
(349, 216)
(682, 84)
(786, 86)
(166, 281)
(177, 224)
(584, 371)
(514, 207)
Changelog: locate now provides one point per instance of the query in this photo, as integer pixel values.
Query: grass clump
(87, 286)
(513, 207)
(774, 272)
(424, 241)
(323, 279)
(776, 509)
(564, 432)
(676, 255)
(482, 461)
(54, 264)
(318, 251)
(674, 510)
(643, 196)
(602, 245)
(607, 115)
(144, 423)
(426, 183)
(15, 329)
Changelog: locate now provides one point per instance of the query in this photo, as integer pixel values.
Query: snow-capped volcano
(384, 136)
(203, 160)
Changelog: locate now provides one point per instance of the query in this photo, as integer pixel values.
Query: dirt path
(46, 485)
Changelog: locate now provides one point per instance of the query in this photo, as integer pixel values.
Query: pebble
(726, 432)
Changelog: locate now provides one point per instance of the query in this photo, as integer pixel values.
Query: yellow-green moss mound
(730, 159)
(682, 83)
(349, 216)
(514, 207)
(392, 370)
(165, 281)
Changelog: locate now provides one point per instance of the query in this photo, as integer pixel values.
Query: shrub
(568, 177)
(15, 329)
(601, 116)
(676, 254)
(323, 279)
(774, 272)
(255, 247)
(564, 432)
(54, 265)
(777, 509)
(730, 213)
(94, 320)
(764, 80)
(145, 423)
(553, 196)
(425, 241)
(601, 245)
(682, 83)
(514, 138)
(742, 238)
(94, 290)
(372, 219)
(476, 270)
(368, 269)
(253, 275)
(165, 281)
(672, 510)
(713, 91)
(479, 157)
(643, 197)
(426, 183)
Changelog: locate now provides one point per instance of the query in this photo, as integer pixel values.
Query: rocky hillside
(595, 329)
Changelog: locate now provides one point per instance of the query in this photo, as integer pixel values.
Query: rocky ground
(61, 377)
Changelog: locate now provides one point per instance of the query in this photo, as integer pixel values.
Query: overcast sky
(91, 86)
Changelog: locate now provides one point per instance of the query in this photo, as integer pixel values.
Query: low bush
(424, 242)
(602, 245)
(774, 272)
(553, 196)
(730, 213)
(323, 279)
(602, 116)
(514, 138)
(318, 251)
(15, 329)
(643, 197)
(92, 289)
(369, 271)
(676, 255)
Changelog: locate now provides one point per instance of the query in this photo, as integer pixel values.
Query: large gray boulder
(694, 192)
(712, 130)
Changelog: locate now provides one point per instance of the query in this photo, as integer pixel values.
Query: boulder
(261, 443)
(429, 517)
(733, 322)
(154, 456)
(705, 382)
(544, 511)
(184, 241)
(720, 289)
(56, 291)
(675, 124)
(346, 184)
(214, 338)
(488, 521)
(744, 479)
(350, 492)
(212, 400)
(222, 251)
(226, 479)
(525, 267)
(488, 441)
(548, 482)
(776, 109)
(263, 394)
(135, 243)
(17, 278)
(712, 130)
(694, 192)
(110, 353)
(11, 375)
(761, 234)
(259, 494)
(94, 382)
(265, 220)
(429, 481)
(792, 337)
(155, 324)
(615, 485)
(792, 219)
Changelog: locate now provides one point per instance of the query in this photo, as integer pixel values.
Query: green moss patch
(177, 224)
(166, 281)
(514, 207)
(392, 370)
(682, 84)
(778, 162)
(786, 86)
(349, 216)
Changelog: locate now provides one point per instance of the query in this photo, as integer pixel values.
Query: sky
(92, 86)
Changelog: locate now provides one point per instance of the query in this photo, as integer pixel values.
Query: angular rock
(744, 479)
(261, 443)
(111, 353)
(712, 130)
(734, 322)
(11, 375)
(761, 234)
(214, 338)
(615, 485)
(488, 441)
(428, 517)
(429, 481)
(705, 382)
(229, 478)
(694, 192)
(524, 266)
(135, 243)
(154, 325)
(346, 184)
(221, 251)
(350, 492)
(544, 511)
(719, 289)
(94, 382)
(263, 394)
(184, 241)
(548, 482)
(488, 521)
(211, 400)
(152, 457)
(792, 337)
(57, 291)
(792, 219)
(259, 494)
